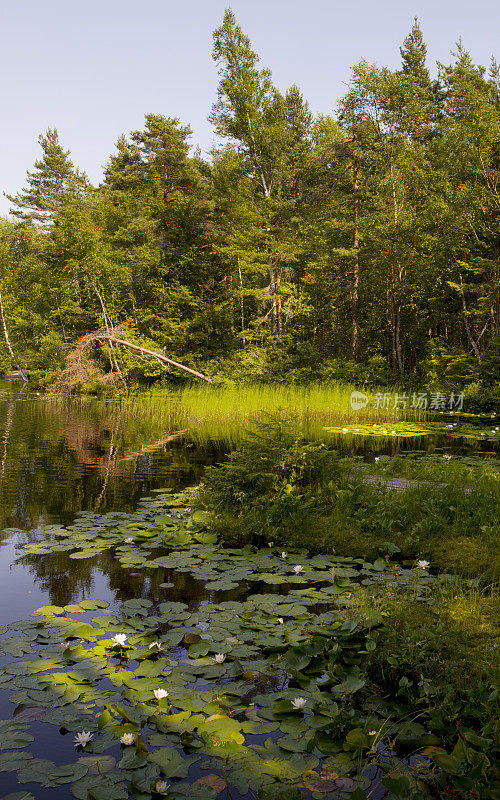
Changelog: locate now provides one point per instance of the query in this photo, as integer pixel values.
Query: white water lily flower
(299, 703)
(120, 639)
(160, 693)
(298, 569)
(129, 540)
(377, 459)
(83, 738)
(393, 433)
(156, 644)
(421, 564)
(127, 738)
(219, 658)
(280, 620)
(162, 787)
(372, 733)
(447, 458)
(345, 430)
(284, 554)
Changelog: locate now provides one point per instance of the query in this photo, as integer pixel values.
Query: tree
(53, 178)
(250, 112)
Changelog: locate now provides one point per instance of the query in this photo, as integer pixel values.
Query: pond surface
(58, 460)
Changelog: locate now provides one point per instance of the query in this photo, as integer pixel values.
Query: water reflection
(57, 460)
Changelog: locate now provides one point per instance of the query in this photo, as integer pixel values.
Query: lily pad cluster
(92, 534)
(267, 695)
(282, 708)
(409, 430)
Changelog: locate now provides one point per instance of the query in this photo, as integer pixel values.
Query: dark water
(57, 460)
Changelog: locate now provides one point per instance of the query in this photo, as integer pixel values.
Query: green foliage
(280, 487)
(348, 666)
(272, 483)
(360, 248)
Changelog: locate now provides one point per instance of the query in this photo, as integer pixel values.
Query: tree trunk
(242, 305)
(112, 357)
(272, 285)
(7, 341)
(355, 277)
(159, 356)
(278, 301)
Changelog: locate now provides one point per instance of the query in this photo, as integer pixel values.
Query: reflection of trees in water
(68, 579)
(59, 459)
(63, 578)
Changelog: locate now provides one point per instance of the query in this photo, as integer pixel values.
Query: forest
(360, 246)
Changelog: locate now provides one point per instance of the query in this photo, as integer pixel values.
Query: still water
(57, 460)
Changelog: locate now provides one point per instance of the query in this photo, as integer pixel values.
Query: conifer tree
(48, 185)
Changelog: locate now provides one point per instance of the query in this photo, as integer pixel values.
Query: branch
(153, 354)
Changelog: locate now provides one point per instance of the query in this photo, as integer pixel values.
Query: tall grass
(212, 413)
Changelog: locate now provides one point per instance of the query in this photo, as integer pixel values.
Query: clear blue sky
(93, 68)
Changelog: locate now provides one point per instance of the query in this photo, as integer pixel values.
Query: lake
(65, 462)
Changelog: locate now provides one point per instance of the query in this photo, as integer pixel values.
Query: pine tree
(53, 178)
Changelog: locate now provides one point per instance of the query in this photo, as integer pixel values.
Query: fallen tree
(82, 368)
(159, 356)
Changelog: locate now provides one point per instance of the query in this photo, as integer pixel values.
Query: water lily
(345, 430)
(127, 739)
(280, 620)
(160, 694)
(298, 568)
(219, 658)
(82, 739)
(162, 787)
(284, 554)
(299, 703)
(158, 645)
(372, 733)
(129, 540)
(377, 459)
(119, 639)
(421, 564)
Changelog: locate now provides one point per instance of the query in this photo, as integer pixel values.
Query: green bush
(279, 487)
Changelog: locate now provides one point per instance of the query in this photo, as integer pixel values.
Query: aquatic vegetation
(304, 683)
(207, 413)
(411, 430)
(82, 739)
(278, 486)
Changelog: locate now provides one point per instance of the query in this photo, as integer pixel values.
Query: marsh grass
(220, 414)
(278, 486)
(451, 637)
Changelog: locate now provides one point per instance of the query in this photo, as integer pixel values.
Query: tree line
(362, 245)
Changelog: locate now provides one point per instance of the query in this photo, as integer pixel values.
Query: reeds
(220, 414)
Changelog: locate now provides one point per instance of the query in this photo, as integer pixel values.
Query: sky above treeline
(94, 68)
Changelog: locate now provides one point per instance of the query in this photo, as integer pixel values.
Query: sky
(94, 68)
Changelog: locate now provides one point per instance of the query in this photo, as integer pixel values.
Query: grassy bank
(221, 413)
(280, 487)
